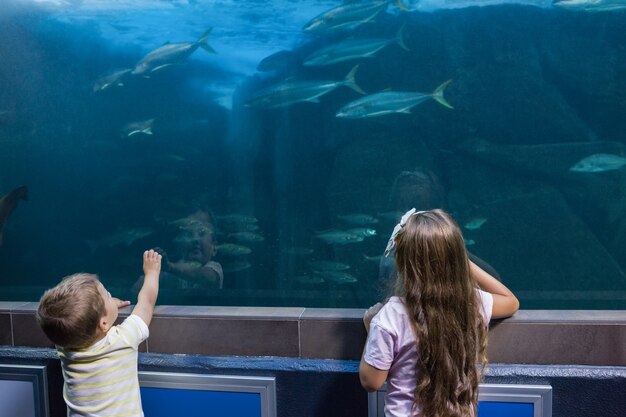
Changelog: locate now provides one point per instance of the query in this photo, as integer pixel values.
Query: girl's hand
(369, 315)
(120, 303)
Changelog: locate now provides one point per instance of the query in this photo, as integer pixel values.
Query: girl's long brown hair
(445, 313)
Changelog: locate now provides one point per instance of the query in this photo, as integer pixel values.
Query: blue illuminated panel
(508, 409)
(167, 394)
(167, 402)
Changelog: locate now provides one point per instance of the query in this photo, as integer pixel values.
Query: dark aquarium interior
(269, 147)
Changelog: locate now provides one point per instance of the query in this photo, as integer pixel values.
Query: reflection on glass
(300, 131)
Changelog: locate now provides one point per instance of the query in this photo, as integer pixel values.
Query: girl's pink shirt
(391, 345)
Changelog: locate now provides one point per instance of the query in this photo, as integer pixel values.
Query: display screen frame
(264, 386)
(35, 374)
(540, 396)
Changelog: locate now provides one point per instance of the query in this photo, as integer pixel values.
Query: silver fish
(247, 237)
(363, 231)
(337, 237)
(328, 266)
(388, 102)
(351, 49)
(337, 277)
(235, 227)
(143, 127)
(599, 162)
(119, 237)
(191, 224)
(475, 223)
(171, 54)
(113, 79)
(291, 92)
(591, 5)
(345, 17)
(230, 249)
(358, 218)
(236, 218)
(375, 258)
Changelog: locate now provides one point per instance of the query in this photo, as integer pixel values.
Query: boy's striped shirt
(102, 380)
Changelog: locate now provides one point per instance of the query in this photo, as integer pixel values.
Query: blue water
(535, 90)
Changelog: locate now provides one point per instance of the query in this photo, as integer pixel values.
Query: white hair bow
(392, 240)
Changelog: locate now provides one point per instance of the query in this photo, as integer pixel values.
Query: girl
(429, 343)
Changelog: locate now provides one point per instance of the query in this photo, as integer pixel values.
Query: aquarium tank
(268, 147)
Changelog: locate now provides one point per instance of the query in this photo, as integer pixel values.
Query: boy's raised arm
(150, 289)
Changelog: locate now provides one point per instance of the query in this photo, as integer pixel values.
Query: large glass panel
(277, 143)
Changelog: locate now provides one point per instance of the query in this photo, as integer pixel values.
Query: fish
(113, 79)
(247, 237)
(278, 61)
(599, 162)
(291, 92)
(236, 266)
(9, 202)
(350, 49)
(388, 102)
(191, 224)
(235, 227)
(122, 236)
(170, 54)
(231, 249)
(358, 218)
(591, 5)
(141, 127)
(237, 218)
(337, 277)
(552, 160)
(328, 266)
(345, 17)
(375, 258)
(338, 237)
(475, 223)
(469, 242)
(362, 231)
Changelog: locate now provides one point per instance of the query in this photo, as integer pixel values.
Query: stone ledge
(558, 337)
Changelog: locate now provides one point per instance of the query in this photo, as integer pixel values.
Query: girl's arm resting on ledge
(505, 303)
(371, 378)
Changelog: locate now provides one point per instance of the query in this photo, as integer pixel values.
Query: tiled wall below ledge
(532, 336)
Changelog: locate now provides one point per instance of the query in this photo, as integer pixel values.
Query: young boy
(99, 360)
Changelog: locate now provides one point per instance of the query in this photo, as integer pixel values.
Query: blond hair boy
(98, 359)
